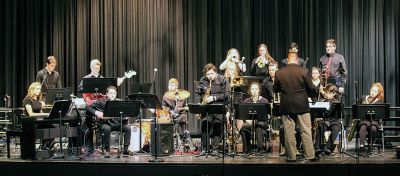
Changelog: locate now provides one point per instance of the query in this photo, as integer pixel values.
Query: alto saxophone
(204, 99)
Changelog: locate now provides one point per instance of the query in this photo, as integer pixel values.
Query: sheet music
(326, 105)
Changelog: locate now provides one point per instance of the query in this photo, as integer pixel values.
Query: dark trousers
(246, 134)
(215, 130)
(106, 129)
(364, 129)
(320, 131)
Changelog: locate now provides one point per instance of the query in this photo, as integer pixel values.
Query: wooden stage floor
(138, 164)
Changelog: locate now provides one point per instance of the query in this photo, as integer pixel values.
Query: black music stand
(148, 101)
(121, 109)
(370, 112)
(97, 85)
(204, 110)
(141, 88)
(255, 112)
(59, 110)
(54, 94)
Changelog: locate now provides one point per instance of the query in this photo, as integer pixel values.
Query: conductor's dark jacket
(295, 86)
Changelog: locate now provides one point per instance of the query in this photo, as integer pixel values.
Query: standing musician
(259, 65)
(215, 90)
(294, 47)
(107, 125)
(376, 96)
(329, 94)
(294, 83)
(95, 66)
(333, 65)
(174, 101)
(48, 77)
(233, 56)
(245, 126)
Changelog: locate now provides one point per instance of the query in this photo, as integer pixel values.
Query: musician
(259, 65)
(333, 65)
(33, 105)
(218, 93)
(108, 125)
(95, 66)
(329, 94)
(233, 56)
(48, 77)
(232, 75)
(376, 96)
(295, 48)
(293, 82)
(268, 82)
(245, 126)
(177, 107)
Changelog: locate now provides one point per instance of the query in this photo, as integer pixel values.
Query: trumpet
(260, 62)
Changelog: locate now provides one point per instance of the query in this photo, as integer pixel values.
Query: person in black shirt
(294, 47)
(245, 126)
(107, 125)
(217, 88)
(259, 65)
(268, 82)
(48, 77)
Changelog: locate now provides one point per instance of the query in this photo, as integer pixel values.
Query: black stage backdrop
(180, 36)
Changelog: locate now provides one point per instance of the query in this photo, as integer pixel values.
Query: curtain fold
(178, 37)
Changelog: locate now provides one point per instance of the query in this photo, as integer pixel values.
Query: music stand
(148, 101)
(121, 109)
(204, 110)
(254, 112)
(54, 94)
(141, 88)
(97, 85)
(371, 112)
(59, 110)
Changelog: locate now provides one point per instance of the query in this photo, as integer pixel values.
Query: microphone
(155, 71)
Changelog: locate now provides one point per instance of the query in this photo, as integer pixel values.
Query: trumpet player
(215, 90)
(259, 65)
(233, 56)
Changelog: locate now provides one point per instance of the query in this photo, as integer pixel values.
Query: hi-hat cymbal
(172, 95)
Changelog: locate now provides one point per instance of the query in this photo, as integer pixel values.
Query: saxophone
(204, 100)
(206, 95)
(352, 130)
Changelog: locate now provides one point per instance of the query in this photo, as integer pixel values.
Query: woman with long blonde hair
(33, 100)
(233, 56)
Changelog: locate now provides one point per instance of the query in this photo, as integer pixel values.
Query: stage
(185, 164)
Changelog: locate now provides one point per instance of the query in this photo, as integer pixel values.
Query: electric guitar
(90, 98)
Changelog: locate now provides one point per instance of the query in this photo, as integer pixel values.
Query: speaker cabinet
(164, 141)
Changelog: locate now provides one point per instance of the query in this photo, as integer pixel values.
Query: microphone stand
(155, 159)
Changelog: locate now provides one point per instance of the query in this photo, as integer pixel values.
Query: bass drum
(136, 135)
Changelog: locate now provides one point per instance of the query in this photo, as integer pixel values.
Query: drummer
(174, 102)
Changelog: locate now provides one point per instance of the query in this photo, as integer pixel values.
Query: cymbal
(183, 94)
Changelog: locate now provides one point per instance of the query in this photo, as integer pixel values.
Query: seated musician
(107, 125)
(376, 96)
(215, 90)
(176, 107)
(332, 124)
(33, 105)
(245, 126)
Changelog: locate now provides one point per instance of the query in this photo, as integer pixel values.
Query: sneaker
(107, 155)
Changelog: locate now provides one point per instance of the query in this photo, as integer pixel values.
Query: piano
(34, 128)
